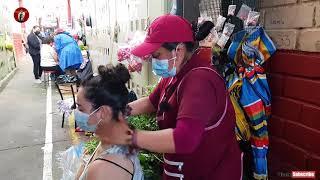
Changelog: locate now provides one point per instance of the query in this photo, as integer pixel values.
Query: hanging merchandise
(223, 40)
(253, 18)
(210, 8)
(124, 53)
(134, 63)
(249, 50)
(202, 19)
(228, 29)
(220, 22)
(246, 80)
(244, 12)
(215, 36)
(232, 10)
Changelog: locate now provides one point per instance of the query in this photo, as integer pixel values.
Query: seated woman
(102, 106)
(69, 53)
(49, 60)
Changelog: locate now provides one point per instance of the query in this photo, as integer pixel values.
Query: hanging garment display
(249, 50)
(241, 66)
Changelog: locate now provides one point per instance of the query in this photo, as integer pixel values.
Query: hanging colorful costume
(249, 50)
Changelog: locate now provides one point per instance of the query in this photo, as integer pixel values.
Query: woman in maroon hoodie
(194, 112)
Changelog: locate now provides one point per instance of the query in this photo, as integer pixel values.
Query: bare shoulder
(105, 168)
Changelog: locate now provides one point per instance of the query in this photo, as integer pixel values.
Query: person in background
(102, 103)
(49, 58)
(192, 105)
(69, 53)
(34, 43)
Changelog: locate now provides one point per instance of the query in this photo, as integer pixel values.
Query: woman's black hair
(203, 30)
(108, 88)
(200, 33)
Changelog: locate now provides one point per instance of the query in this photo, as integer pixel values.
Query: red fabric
(206, 54)
(200, 102)
(186, 142)
(166, 28)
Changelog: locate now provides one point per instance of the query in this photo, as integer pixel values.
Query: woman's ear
(105, 112)
(121, 117)
(180, 52)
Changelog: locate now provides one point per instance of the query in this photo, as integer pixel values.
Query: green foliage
(9, 47)
(150, 89)
(144, 122)
(91, 145)
(83, 47)
(151, 165)
(151, 162)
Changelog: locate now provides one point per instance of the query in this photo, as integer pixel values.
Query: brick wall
(293, 24)
(295, 83)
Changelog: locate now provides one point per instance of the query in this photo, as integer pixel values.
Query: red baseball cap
(165, 29)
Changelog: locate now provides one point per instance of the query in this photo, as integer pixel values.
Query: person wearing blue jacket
(69, 53)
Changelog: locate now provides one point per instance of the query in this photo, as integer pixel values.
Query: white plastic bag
(232, 10)
(70, 161)
(244, 12)
(253, 18)
(220, 22)
(223, 40)
(204, 18)
(215, 36)
(228, 29)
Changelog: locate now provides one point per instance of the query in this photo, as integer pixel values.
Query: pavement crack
(32, 145)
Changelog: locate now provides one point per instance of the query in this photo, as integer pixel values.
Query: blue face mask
(82, 120)
(161, 68)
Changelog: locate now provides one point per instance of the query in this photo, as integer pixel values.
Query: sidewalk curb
(4, 82)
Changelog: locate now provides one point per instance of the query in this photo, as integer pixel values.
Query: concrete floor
(23, 125)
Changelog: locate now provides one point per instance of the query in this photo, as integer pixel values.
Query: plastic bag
(253, 18)
(123, 54)
(232, 10)
(70, 161)
(215, 36)
(204, 18)
(220, 22)
(135, 64)
(223, 40)
(228, 29)
(244, 12)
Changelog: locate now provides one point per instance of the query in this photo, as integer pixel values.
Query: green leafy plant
(151, 165)
(9, 47)
(91, 145)
(151, 162)
(83, 47)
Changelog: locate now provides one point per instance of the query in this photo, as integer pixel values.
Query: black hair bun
(122, 72)
(204, 30)
(114, 74)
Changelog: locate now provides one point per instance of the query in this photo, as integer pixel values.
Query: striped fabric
(249, 50)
